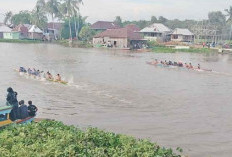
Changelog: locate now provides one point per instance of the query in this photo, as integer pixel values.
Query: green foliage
(86, 34)
(20, 41)
(65, 30)
(8, 17)
(51, 138)
(118, 21)
(23, 17)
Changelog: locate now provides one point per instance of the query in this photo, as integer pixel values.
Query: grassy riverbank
(25, 41)
(80, 44)
(51, 138)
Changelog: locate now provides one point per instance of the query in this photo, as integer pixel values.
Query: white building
(4, 29)
(35, 33)
(182, 35)
(156, 32)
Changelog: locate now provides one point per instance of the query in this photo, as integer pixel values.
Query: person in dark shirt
(12, 101)
(23, 110)
(32, 109)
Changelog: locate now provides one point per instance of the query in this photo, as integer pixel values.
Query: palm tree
(52, 8)
(38, 17)
(76, 11)
(8, 16)
(229, 14)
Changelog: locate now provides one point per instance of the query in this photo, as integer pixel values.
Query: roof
(103, 25)
(4, 28)
(57, 25)
(181, 31)
(20, 28)
(35, 29)
(126, 32)
(156, 28)
(133, 27)
(28, 26)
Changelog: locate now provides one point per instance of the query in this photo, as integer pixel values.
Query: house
(104, 25)
(54, 30)
(11, 35)
(35, 33)
(156, 32)
(23, 30)
(4, 29)
(182, 35)
(122, 38)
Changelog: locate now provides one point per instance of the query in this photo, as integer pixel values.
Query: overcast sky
(133, 9)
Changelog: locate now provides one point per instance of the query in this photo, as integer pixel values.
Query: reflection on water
(118, 91)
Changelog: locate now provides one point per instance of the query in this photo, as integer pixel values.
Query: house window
(175, 36)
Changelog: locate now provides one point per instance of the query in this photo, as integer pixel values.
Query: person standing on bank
(32, 109)
(12, 101)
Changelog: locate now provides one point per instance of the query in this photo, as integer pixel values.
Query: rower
(58, 77)
(22, 69)
(190, 66)
(186, 65)
(165, 62)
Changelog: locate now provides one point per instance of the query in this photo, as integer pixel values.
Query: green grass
(80, 44)
(20, 41)
(51, 138)
(162, 49)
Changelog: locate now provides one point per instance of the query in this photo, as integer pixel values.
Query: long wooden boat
(5, 117)
(51, 80)
(172, 66)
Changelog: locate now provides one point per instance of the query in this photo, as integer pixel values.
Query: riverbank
(25, 41)
(164, 49)
(75, 43)
(52, 138)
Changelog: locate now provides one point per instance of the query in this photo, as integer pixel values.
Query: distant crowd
(19, 110)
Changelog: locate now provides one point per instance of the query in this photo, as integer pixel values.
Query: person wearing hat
(12, 101)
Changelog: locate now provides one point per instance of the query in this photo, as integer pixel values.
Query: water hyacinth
(51, 138)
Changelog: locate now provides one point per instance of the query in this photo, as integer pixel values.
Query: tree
(229, 14)
(23, 17)
(86, 34)
(153, 20)
(118, 21)
(52, 8)
(8, 17)
(76, 12)
(39, 18)
(162, 20)
(217, 18)
(69, 27)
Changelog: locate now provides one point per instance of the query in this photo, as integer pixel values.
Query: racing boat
(40, 77)
(172, 66)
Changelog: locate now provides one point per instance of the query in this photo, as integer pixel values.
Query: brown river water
(117, 91)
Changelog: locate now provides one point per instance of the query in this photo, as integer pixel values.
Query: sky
(132, 9)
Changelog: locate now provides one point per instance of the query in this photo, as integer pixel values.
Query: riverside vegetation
(51, 138)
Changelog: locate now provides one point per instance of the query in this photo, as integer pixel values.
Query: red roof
(103, 25)
(133, 27)
(57, 25)
(126, 32)
(20, 28)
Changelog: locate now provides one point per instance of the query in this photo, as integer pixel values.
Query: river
(117, 91)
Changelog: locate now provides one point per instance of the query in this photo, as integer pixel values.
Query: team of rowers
(178, 64)
(39, 73)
